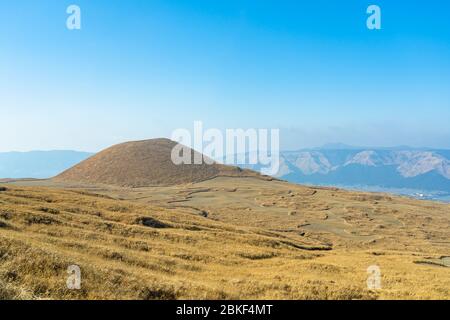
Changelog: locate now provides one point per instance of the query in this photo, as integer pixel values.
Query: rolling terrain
(416, 172)
(144, 163)
(220, 236)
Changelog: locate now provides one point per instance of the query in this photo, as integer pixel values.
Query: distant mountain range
(362, 168)
(38, 164)
(378, 169)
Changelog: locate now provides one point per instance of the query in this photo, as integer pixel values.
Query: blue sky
(141, 68)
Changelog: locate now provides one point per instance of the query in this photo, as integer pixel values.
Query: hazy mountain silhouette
(38, 164)
(397, 167)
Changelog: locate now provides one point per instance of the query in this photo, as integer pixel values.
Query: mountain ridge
(396, 167)
(424, 169)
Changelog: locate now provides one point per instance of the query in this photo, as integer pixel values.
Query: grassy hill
(144, 163)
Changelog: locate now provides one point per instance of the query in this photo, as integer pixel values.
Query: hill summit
(145, 163)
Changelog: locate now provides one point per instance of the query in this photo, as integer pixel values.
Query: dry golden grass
(145, 163)
(220, 239)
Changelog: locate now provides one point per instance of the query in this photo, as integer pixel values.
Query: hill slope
(130, 250)
(144, 163)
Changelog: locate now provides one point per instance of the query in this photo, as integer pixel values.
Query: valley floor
(226, 238)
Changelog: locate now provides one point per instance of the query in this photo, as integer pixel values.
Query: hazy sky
(141, 68)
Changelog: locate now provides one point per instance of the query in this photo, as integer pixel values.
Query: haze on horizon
(139, 70)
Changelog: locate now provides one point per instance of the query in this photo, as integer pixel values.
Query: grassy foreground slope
(131, 250)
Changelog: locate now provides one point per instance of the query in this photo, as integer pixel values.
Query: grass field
(226, 238)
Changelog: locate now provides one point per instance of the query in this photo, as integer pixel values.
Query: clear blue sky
(142, 68)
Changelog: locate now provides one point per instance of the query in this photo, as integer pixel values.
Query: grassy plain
(225, 238)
